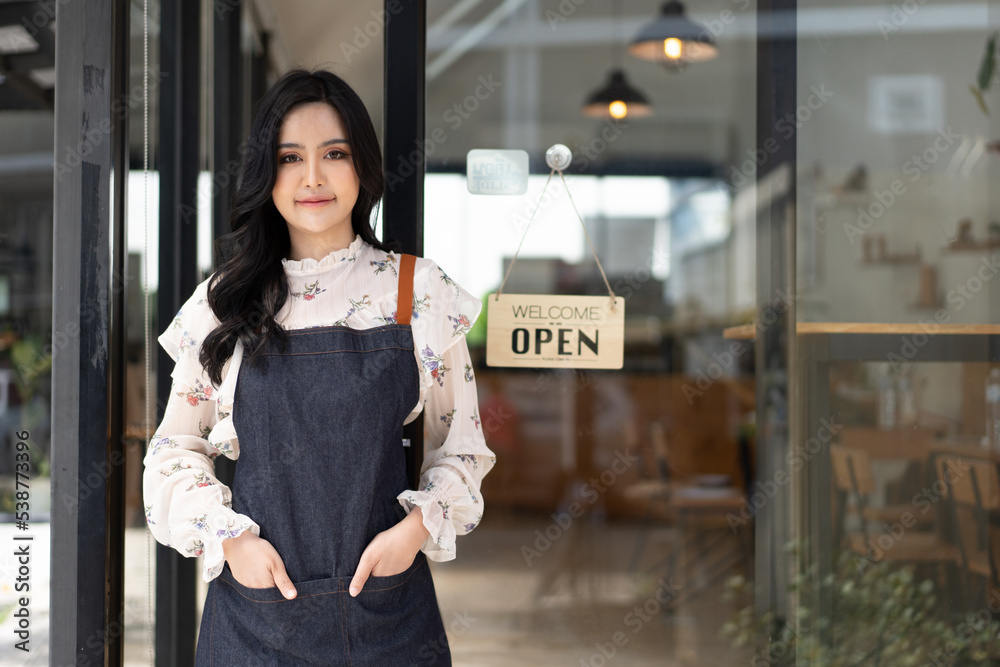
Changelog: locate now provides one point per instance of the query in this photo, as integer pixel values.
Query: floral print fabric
(189, 509)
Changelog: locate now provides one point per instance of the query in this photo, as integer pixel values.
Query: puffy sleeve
(187, 507)
(456, 455)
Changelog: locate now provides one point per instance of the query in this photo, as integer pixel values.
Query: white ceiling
(551, 54)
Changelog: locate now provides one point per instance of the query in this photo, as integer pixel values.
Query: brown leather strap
(404, 300)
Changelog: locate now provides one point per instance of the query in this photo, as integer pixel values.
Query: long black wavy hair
(249, 288)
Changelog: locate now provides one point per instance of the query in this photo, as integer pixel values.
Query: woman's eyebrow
(328, 142)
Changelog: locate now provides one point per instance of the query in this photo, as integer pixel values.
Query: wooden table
(748, 331)
(816, 346)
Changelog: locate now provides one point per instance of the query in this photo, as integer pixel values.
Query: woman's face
(316, 186)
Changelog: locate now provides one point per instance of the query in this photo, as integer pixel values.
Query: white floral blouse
(186, 505)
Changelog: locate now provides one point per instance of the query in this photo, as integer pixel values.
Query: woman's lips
(314, 203)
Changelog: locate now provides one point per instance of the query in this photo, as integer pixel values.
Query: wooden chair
(655, 490)
(897, 538)
(840, 454)
(973, 485)
(695, 510)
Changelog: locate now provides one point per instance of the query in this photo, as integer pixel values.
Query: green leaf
(979, 99)
(988, 65)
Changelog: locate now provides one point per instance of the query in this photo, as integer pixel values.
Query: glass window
(897, 243)
(613, 521)
(27, 46)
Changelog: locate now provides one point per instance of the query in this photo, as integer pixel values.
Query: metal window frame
(89, 253)
(178, 161)
(776, 384)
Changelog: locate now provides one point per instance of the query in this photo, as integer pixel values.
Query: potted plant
(987, 72)
(881, 616)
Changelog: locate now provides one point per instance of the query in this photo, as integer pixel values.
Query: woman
(294, 357)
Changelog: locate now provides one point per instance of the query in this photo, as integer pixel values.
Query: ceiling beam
(807, 23)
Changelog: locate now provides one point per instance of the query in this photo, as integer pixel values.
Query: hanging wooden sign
(555, 331)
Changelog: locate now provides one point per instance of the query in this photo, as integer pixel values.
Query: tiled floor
(571, 604)
(576, 603)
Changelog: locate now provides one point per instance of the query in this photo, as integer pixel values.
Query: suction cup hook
(558, 157)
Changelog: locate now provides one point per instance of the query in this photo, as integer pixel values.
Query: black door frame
(89, 252)
(405, 43)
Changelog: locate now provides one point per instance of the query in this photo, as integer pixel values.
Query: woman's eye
(292, 157)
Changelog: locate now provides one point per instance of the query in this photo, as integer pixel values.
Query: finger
(282, 581)
(365, 567)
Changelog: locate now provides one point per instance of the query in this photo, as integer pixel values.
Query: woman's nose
(314, 173)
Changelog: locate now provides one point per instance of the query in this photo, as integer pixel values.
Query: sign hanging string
(578, 217)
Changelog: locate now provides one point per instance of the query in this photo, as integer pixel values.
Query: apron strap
(404, 300)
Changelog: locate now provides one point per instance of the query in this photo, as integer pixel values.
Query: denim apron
(321, 462)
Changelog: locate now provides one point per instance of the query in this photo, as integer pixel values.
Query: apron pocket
(303, 589)
(375, 583)
(397, 616)
(262, 620)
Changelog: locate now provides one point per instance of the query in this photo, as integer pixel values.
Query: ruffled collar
(307, 266)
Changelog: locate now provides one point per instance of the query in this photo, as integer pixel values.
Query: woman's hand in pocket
(391, 551)
(255, 563)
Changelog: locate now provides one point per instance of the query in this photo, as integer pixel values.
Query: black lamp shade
(616, 99)
(673, 37)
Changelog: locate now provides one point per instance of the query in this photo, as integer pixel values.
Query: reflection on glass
(879, 513)
(617, 528)
(27, 343)
(894, 211)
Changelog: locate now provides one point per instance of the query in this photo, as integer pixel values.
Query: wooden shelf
(847, 198)
(937, 305)
(912, 258)
(740, 332)
(979, 247)
(746, 331)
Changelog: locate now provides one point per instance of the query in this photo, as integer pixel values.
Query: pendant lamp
(617, 99)
(673, 39)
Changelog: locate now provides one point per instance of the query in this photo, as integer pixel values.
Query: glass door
(798, 461)
(616, 522)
